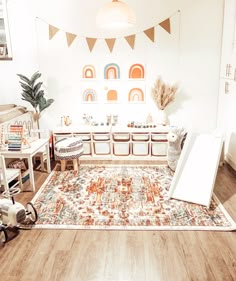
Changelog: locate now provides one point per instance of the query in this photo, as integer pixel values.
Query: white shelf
(121, 142)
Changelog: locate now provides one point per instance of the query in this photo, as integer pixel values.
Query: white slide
(196, 171)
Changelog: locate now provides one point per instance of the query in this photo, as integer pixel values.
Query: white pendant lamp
(115, 15)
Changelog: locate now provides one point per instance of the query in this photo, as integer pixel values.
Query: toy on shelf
(87, 119)
(65, 121)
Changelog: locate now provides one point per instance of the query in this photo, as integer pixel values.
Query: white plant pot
(162, 118)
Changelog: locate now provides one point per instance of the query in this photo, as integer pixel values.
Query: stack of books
(15, 137)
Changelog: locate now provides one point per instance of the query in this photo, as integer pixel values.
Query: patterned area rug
(121, 197)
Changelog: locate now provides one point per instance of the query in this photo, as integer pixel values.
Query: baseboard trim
(230, 161)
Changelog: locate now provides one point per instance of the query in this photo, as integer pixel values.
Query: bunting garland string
(91, 41)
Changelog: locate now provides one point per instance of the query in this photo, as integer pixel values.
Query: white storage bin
(159, 148)
(121, 148)
(140, 136)
(101, 136)
(101, 148)
(59, 136)
(87, 148)
(121, 136)
(158, 136)
(84, 136)
(140, 148)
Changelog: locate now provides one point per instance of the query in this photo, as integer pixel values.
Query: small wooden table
(29, 153)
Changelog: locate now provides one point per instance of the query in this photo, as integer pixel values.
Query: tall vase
(162, 117)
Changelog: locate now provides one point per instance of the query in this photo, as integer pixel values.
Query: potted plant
(33, 94)
(163, 94)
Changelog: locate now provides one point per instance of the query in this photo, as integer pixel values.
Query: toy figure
(176, 138)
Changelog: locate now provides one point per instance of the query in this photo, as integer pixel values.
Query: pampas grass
(163, 94)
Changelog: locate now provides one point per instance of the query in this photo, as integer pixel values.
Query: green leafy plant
(33, 93)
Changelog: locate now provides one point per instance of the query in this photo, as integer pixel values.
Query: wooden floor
(85, 255)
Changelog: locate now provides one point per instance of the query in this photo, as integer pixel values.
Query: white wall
(190, 55)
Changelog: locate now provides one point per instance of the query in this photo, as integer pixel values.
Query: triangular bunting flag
(110, 43)
(131, 40)
(91, 42)
(150, 33)
(70, 38)
(166, 25)
(52, 31)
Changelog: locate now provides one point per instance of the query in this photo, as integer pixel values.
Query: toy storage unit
(119, 142)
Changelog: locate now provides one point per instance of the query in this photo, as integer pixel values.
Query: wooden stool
(76, 164)
(69, 149)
